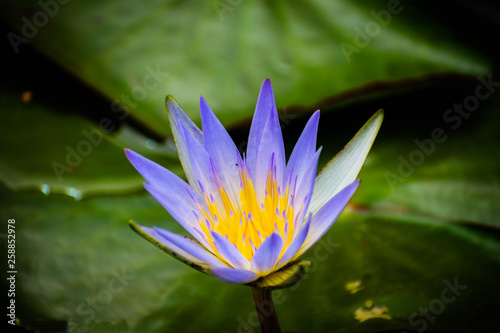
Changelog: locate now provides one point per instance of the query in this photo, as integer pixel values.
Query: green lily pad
(136, 53)
(450, 177)
(78, 261)
(53, 152)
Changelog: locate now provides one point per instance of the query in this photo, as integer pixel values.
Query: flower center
(256, 217)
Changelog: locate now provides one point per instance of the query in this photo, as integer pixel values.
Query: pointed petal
(150, 235)
(271, 145)
(304, 149)
(173, 193)
(222, 150)
(229, 252)
(177, 116)
(327, 215)
(233, 275)
(189, 246)
(265, 139)
(304, 191)
(345, 166)
(201, 166)
(155, 174)
(296, 244)
(265, 258)
(265, 105)
(181, 209)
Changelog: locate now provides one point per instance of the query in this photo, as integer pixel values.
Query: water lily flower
(250, 216)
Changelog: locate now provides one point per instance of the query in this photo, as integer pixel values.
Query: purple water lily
(249, 215)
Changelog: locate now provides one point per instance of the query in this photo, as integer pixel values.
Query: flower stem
(265, 309)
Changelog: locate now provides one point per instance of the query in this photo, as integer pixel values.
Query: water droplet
(73, 192)
(152, 144)
(45, 189)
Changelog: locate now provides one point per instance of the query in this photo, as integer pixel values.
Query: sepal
(343, 169)
(179, 255)
(286, 277)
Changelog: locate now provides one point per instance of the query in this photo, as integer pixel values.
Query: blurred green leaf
(447, 200)
(53, 152)
(136, 53)
(453, 179)
(79, 261)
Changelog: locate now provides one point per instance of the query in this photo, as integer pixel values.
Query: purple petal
(154, 173)
(265, 258)
(327, 215)
(233, 275)
(189, 246)
(265, 105)
(304, 150)
(177, 116)
(173, 193)
(304, 191)
(201, 166)
(229, 252)
(180, 208)
(270, 152)
(296, 244)
(265, 139)
(222, 150)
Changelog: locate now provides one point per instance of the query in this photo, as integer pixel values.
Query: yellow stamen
(248, 225)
